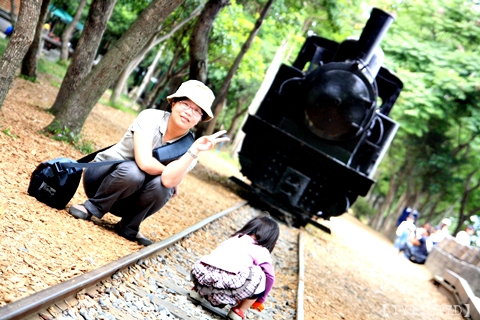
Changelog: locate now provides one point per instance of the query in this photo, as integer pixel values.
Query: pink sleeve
(270, 280)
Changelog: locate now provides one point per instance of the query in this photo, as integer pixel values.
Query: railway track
(154, 282)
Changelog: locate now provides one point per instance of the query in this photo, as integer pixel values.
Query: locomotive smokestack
(376, 27)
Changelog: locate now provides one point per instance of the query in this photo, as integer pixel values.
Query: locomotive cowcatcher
(319, 134)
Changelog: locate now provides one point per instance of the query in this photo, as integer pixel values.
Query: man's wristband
(194, 156)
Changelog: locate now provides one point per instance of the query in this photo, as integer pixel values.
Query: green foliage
(28, 78)
(86, 146)
(62, 133)
(58, 70)
(433, 48)
(8, 133)
(122, 104)
(63, 63)
(362, 209)
(3, 45)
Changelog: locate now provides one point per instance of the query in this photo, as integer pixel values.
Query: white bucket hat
(197, 92)
(447, 222)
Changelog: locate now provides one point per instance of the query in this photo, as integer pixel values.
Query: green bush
(362, 209)
(62, 133)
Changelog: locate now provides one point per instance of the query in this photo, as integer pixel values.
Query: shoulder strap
(174, 150)
(167, 153)
(91, 156)
(90, 164)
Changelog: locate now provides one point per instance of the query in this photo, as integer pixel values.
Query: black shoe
(140, 238)
(78, 213)
(144, 241)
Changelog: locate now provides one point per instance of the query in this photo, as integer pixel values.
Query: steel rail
(301, 277)
(27, 306)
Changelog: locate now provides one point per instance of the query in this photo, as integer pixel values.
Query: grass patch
(58, 70)
(62, 133)
(9, 133)
(3, 45)
(55, 69)
(122, 104)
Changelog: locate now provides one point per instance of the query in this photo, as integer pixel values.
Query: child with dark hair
(239, 271)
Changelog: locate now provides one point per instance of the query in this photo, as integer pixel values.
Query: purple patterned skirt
(221, 287)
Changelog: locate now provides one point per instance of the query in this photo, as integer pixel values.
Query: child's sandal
(236, 314)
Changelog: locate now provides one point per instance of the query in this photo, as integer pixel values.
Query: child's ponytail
(264, 229)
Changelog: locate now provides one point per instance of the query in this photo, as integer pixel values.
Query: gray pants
(125, 191)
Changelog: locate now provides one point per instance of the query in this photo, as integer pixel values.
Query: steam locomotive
(319, 135)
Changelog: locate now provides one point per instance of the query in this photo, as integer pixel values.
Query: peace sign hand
(206, 143)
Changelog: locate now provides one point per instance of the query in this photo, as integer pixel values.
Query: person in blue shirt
(416, 249)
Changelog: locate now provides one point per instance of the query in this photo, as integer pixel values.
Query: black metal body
(318, 136)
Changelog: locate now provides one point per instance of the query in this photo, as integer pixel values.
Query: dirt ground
(352, 274)
(41, 246)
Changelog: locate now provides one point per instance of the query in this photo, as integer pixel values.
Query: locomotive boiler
(322, 129)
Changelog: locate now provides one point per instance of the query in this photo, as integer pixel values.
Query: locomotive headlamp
(339, 102)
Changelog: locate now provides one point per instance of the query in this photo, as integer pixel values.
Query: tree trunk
(121, 82)
(13, 15)
(30, 61)
(173, 83)
(392, 190)
(67, 34)
(127, 71)
(236, 120)
(148, 75)
(82, 59)
(82, 100)
(157, 91)
(18, 44)
(199, 39)
(153, 95)
(387, 209)
(429, 214)
(426, 203)
(199, 46)
(222, 92)
(467, 191)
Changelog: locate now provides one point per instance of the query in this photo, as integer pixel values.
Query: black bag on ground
(53, 184)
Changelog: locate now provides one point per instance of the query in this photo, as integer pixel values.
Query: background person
(403, 232)
(441, 231)
(136, 189)
(407, 211)
(465, 236)
(416, 249)
(239, 271)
